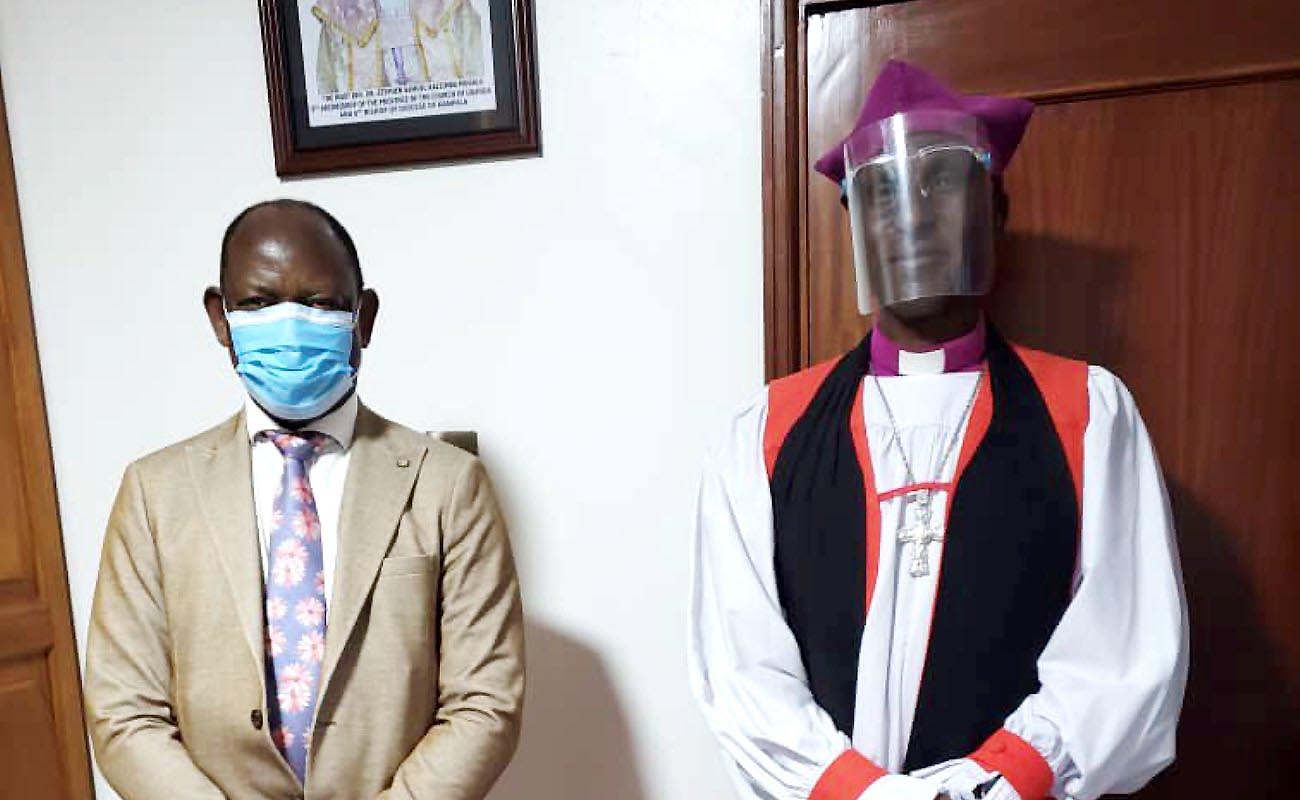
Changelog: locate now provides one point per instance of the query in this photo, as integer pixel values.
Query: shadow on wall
(1061, 296)
(1240, 730)
(576, 742)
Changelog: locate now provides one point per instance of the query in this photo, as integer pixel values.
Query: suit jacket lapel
(222, 473)
(381, 472)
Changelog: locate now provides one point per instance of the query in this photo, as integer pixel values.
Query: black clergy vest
(1009, 554)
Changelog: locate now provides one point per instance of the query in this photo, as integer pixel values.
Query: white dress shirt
(327, 475)
(1112, 674)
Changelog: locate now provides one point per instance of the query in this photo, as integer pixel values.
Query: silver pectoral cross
(920, 534)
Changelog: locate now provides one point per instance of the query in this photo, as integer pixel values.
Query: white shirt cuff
(900, 787)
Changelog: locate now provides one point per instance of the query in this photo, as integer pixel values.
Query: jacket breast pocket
(394, 566)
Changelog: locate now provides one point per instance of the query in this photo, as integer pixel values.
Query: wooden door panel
(41, 724)
(29, 760)
(1153, 231)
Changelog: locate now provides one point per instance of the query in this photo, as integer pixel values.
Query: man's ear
(216, 308)
(367, 311)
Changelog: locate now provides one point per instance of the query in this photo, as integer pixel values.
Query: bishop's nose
(916, 212)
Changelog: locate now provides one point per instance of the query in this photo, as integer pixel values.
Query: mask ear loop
(356, 315)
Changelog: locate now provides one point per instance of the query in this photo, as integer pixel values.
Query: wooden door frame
(784, 320)
(785, 195)
(44, 626)
(787, 339)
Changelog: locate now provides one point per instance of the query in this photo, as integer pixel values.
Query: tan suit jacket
(422, 681)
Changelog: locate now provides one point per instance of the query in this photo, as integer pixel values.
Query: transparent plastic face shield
(920, 208)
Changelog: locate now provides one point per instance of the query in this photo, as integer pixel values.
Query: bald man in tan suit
(416, 691)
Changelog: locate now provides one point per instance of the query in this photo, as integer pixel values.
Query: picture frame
(358, 84)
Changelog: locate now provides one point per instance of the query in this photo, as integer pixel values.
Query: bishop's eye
(945, 173)
(943, 181)
(884, 188)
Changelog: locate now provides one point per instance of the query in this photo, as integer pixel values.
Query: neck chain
(924, 531)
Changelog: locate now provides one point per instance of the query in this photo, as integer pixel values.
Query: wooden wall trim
(1229, 77)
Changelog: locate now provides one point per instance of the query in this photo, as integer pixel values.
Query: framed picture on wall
(379, 83)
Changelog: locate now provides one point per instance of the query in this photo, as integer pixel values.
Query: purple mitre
(903, 87)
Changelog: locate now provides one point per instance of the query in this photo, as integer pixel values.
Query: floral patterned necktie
(295, 601)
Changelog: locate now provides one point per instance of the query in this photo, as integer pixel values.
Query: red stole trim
(787, 399)
(1063, 383)
(858, 427)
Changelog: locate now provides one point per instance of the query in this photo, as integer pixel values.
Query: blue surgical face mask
(293, 359)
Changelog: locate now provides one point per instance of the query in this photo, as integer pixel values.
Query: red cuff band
(846, 778)
(1016, 760)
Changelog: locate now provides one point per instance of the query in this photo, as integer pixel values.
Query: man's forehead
(269, 249)
(283, 227)
(272, 248)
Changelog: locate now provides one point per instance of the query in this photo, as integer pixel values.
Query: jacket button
(256, 718)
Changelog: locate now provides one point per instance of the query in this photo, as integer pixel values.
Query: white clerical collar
(963, 354)
(339, 424)
(934, 362)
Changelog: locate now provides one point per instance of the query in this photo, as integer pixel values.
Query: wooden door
(1155, 229)
(42, 736)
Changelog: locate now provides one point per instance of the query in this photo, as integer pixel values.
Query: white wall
(593, 313)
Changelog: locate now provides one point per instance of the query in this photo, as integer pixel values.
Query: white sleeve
(745, 667)
(1113, 672)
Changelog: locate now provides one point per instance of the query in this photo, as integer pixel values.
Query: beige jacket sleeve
(481, 683)
(128, 671)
